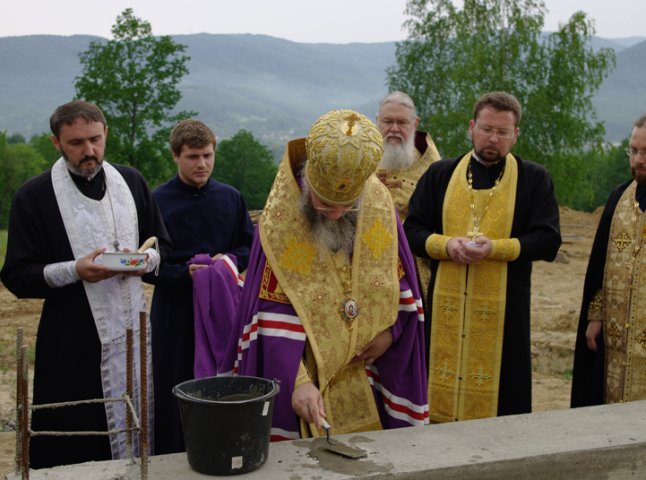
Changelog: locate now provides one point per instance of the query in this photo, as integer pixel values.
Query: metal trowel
(340, 448)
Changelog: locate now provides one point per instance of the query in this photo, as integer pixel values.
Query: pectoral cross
(475, 230)
(475, 233)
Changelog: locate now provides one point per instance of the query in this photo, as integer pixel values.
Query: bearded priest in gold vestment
(610, 355)
(407, 155)
(331, 305)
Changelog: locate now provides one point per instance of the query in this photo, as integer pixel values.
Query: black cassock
(535, 225)
(68, 350)
(211, 219)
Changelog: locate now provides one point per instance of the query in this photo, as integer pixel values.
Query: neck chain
(476, 215)
(115, 244)
(349, 307)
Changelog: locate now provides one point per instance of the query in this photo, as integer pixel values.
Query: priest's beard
(398, 156)
(334, 235)
(639, 175)
(83, 172)
(489, 154)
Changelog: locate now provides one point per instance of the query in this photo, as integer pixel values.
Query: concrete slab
(605, 442)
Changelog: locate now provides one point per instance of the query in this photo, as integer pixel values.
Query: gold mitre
(343, 150)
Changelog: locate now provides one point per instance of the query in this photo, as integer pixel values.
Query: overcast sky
(310, 21)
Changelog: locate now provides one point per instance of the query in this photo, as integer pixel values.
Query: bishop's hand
(307, 403)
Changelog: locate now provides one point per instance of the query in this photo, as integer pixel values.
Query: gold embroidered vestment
(468, 312)
(623, 306)
(315, 287)
(401, 185)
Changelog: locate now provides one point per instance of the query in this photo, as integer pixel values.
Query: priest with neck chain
(331, 305)
(482, 218)
(60, 224)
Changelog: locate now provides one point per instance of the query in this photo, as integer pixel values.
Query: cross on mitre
(351, 119)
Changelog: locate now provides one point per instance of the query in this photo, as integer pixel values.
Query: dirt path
(556, 298)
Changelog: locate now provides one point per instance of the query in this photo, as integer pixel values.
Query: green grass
(3, 246)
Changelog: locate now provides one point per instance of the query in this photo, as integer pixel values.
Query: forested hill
(270, 86)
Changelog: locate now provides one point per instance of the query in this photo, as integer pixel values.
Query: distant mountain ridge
(273, 87)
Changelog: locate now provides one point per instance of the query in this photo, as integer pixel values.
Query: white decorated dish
(124, 261)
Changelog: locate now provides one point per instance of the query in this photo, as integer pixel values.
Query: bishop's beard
(334, 235)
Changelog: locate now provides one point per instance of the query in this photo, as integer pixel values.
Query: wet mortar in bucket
(226, 422)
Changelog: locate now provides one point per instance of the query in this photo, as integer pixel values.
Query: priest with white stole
(61, 222)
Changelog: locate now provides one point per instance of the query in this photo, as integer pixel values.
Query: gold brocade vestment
(401, 185)
(309, 277)
(624, 303)
(468, 312)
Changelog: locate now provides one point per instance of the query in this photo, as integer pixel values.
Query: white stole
(115, 302)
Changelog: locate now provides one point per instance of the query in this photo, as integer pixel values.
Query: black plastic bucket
(226, 422)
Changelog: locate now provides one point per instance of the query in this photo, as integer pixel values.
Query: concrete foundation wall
(605, 442)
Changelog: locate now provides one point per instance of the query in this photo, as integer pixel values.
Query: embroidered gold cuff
(303, 376)
(595, 309)
(505, 249)
(436, 246)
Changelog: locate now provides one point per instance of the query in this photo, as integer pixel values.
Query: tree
(248, 165)
(133, 78)
(18, 162)
(611, 167)
(453, 56)
(15, 138)
(43, 144)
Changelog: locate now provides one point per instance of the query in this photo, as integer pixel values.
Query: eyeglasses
(330, 209)
(500, 132)
(389, 122)
(633, 152)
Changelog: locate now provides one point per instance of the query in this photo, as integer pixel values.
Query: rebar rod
(129, 389)
(143, 382)
(24, 437)
(18, 456)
